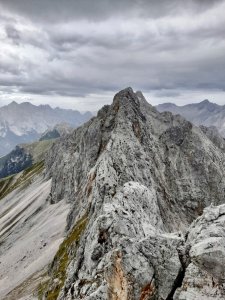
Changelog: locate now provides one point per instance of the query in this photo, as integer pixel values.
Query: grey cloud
(25, 36)
(12, 33)
(51, 91)
(166, 93)
(108, 45)
(9, 67)
(58, 10)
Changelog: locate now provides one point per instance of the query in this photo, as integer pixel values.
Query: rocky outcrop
(205, 274)
(135, 176)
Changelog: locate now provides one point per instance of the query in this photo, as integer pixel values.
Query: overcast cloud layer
(79, 53)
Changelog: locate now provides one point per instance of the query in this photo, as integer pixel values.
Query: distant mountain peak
(26, 103)
(206, 101)
(45, 106)
(202, 113)
(13, 103)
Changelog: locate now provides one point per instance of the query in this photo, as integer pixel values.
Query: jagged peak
(142, 98)
(125, 97)
(13, 103)
(206, 101)
(125, 93)
(126, 90)
(209, 106)
(131, 102)
(140, 95)
(125, 174)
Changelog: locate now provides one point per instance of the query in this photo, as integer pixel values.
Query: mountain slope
(138, 183)
(203, 113)
(23, 123)
(30, 231)
(24, 155)
(133, 176)
(58, 130)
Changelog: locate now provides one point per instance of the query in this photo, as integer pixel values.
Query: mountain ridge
(203, 113)
(145, 192)
(146, 174)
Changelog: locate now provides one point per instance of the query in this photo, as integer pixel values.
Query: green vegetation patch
(8, 184)
(5, 184)
(42, 287)
(38, 149)
(33, 170)
(61, 261)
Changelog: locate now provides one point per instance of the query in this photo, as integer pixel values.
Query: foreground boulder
(204, 276)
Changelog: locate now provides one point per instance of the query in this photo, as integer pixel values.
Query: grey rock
(131, 141)
(205, 276)
(138, 175)
(199, 285)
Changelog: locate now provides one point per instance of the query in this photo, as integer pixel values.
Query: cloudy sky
(78, 53)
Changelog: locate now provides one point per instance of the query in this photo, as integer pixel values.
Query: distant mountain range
(25, 122)
(204, 113)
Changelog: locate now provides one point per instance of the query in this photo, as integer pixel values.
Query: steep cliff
(136, 180)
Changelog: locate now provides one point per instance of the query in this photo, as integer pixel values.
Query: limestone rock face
(136, 176)
(205, 276)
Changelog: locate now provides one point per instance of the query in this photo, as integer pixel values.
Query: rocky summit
(146, 195)
(138, 182)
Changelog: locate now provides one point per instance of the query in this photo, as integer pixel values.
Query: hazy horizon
(108, 100)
